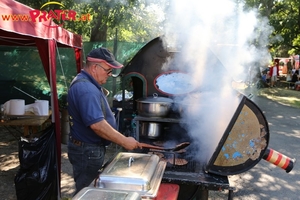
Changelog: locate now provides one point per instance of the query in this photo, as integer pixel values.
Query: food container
(137, 172)
(89, 193)
(154, 106)
(151, 130)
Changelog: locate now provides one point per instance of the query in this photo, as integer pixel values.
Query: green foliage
(132, 20)
(138, 21)
(284, 17)
(288, 25)
(141, 20)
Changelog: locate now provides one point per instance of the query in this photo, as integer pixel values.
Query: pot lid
(155, 99)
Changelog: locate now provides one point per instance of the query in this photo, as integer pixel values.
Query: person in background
(264, 77)
(92, 123)
(297, 84)
(262, 83)
(289, 65)
(294, 79)
(268, 77)
(274, 73)
(289, 76)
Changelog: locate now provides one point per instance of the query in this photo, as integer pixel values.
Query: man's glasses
(108, 71)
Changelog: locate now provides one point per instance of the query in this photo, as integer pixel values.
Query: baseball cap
(104, 55)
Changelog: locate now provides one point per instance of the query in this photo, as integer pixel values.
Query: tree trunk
(99, 31)
(268, 4)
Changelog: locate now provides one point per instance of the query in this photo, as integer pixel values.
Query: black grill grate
(191, 166)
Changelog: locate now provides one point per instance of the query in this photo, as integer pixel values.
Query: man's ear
(94, 68)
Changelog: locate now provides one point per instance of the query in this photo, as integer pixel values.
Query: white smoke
(214, 39)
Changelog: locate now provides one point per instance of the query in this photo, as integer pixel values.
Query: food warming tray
(89, 193)
(136, 172)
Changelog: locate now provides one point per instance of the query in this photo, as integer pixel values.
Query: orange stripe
(270, 155)
(278, 159)
(282, 162)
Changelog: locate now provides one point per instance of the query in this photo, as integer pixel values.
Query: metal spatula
(176, 148)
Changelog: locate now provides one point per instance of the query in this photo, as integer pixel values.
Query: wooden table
(31, 123)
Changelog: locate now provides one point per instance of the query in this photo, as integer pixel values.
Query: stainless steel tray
(89, 193)
(136, 172)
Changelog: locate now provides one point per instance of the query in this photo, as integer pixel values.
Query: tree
(284, 17)
(135, 20)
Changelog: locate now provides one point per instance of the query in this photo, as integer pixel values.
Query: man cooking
(92, 124)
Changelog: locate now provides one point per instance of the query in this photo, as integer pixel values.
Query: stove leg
(230, 194)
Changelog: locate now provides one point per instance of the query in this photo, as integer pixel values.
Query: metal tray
(89, 193)
(136, 172)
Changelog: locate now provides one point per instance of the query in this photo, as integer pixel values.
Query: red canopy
(17, 32)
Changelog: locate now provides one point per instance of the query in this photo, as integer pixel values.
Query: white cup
(41, 107)
(14, 107)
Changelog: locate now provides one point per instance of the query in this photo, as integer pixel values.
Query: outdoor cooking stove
(188, 173)
(235, 153)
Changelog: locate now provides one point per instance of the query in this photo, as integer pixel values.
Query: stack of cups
(41, 107)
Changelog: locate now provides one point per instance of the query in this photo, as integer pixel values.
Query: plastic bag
(37, 177)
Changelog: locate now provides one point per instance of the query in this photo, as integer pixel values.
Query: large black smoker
(243, 144)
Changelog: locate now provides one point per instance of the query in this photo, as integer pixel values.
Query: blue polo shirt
(85, 109)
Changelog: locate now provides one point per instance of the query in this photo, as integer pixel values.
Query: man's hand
(130, 143)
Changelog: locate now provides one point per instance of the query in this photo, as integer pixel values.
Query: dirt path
(9, 164)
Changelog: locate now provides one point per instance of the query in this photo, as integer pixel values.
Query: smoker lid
(244, 142)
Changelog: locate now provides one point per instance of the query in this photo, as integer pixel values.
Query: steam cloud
(213, 38)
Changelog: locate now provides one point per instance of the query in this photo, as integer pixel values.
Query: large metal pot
(154, 106)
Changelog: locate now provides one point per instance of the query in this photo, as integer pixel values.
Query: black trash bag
(37, 177)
